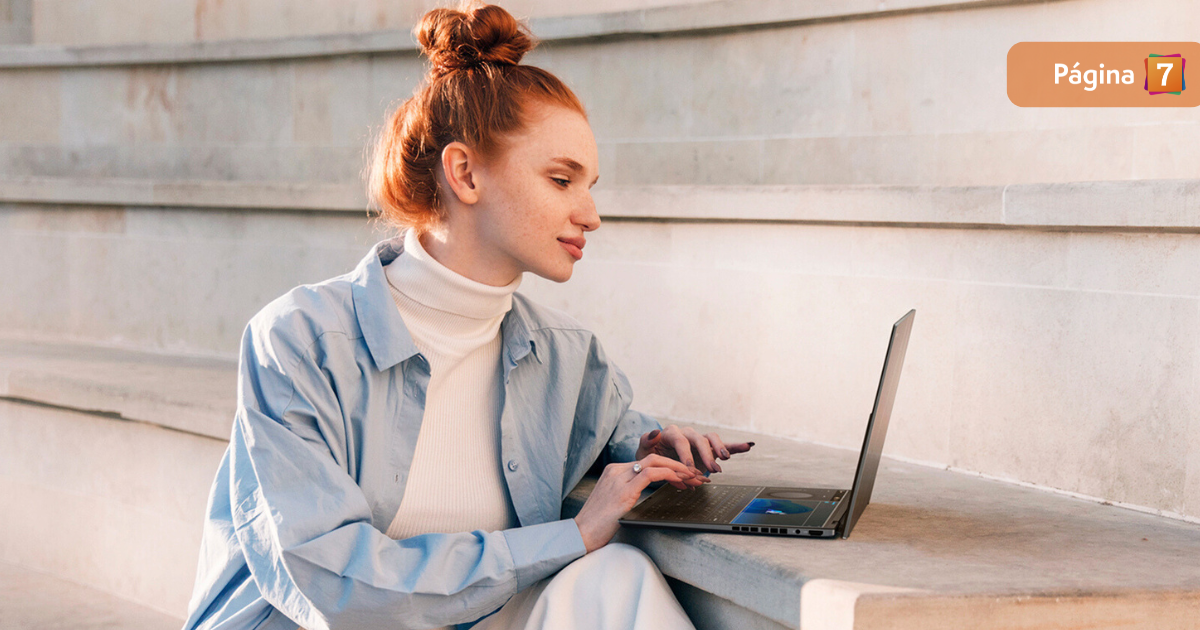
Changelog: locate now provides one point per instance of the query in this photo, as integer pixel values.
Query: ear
(460, 165)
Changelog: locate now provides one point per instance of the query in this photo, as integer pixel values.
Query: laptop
(781, 511)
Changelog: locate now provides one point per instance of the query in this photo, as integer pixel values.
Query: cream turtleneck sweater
(456, 483)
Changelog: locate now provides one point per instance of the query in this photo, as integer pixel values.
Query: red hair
(475, 93)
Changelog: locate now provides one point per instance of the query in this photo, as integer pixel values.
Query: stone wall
(910, 98)
(1058, 353)
(16, 21)
(774, 198)
(85, 22)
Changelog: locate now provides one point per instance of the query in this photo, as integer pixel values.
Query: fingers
(683, 448)
(684, 477)
(651, 475)
(690, 447)
(689, 476)
(703, 449)
(649, 440)
(718, 445)
(654, 460)
(739, 448)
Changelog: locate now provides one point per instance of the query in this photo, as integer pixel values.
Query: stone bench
(107, 464)
(31, 599)
(111, 454)
(934, 549)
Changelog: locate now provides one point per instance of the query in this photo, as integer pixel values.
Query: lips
(574, 246)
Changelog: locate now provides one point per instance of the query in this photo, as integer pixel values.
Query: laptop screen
(868, 460)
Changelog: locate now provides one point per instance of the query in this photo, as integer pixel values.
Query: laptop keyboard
(710, 503)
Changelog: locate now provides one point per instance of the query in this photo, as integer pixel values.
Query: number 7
(1168, 66)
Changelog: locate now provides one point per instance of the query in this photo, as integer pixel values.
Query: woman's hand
(687, 446)
(618, 490)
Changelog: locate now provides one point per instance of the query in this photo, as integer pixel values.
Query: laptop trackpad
(789, 507)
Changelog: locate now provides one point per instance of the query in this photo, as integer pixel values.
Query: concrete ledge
(721, 15)
(195, 395)
(1147, 205)
(933, 549)
(258, 195)
(1163, 203)
(844, 606)
(1154, 204)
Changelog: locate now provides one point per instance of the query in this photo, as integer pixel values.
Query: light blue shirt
(331, 394)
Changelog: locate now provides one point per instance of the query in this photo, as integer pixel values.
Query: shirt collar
(515, 334)
(384, 331)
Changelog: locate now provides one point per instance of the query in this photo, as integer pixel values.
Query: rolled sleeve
(539, 551)
(304, 525)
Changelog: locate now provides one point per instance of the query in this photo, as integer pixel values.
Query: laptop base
(762, 510)
(737, 529)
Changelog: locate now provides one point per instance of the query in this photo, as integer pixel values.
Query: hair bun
(455, 39)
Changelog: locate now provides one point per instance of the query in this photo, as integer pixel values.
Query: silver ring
(637, 467)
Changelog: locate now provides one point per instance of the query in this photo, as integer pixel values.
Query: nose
(587, 217)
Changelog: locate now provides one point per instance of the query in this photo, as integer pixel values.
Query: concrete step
(192, 394)
(107, 461)
(935, 547)
(32, 600)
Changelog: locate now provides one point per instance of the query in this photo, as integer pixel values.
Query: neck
(465, 253)
(430, 284)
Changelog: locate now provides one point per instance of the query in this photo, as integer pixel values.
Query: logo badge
(1164, 74)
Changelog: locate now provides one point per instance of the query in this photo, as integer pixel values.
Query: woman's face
(524, 208)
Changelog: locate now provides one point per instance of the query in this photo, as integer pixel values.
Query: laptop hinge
(839, 527)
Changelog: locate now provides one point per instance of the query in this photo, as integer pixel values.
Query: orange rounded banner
(1104, 74)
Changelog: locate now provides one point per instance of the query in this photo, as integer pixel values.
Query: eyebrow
(573, 165)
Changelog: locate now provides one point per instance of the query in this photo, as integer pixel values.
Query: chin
(556, 273)
(561, 275)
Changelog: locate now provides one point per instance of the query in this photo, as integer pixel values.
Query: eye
(564, 182)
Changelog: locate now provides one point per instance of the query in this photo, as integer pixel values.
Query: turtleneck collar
(419, 276)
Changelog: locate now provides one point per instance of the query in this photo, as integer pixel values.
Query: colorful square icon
(1164, 74)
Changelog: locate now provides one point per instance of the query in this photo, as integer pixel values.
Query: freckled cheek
(530, 241)
(536, 230)
(539, 229)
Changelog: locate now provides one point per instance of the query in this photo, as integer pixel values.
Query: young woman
(406, 433)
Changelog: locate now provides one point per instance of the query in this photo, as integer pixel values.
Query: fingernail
(653, 434)
(725, 453)
(750, 443)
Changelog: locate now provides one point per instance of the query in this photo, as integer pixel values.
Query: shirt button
(512, 465)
